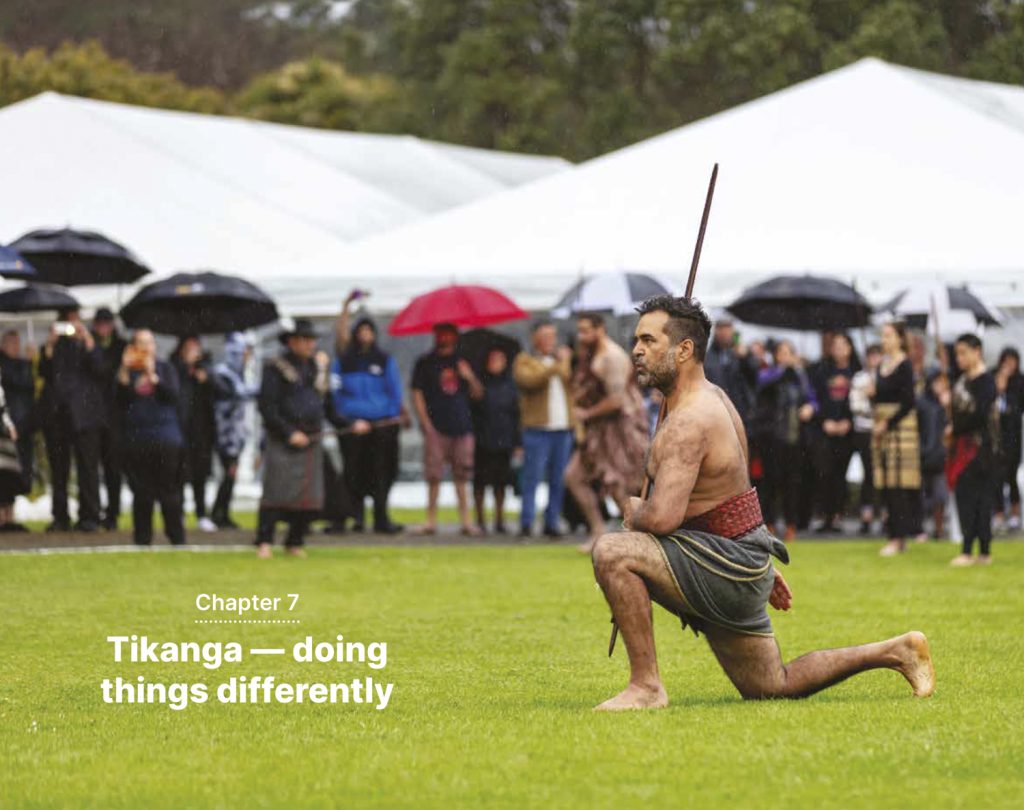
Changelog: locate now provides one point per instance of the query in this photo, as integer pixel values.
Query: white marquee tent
(872, 173)
(267, 201)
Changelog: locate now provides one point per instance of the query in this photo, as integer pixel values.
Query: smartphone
(64, 329)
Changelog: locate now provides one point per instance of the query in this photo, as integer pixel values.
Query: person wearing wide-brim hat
(291, 402)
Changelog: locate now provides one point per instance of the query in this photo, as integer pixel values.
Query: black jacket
(931, 423)
(20, 392)
(496, 416)
(110, 356)
(1011, 411)
(735, 375)
(288, 399)
(780, 394)
(195, 403)
(73, 386)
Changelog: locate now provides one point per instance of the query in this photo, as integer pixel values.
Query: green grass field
(498, 655)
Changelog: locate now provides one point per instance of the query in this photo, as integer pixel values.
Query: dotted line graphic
(247, 621)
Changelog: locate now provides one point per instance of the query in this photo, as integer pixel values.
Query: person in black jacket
(785, 403)
(147, 395)
(496, 426)
(110, 346)
(1010, 393)
(72, 407)
(931, 423)
(973, 465)
(729, 365)
(832, 385)
(292, 404)
(196, 408)
(19, 387)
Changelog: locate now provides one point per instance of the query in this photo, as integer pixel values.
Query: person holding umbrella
(443, 384)
(71, 410)
(148, 393)
(786, 403)
(110, 346)
(195, 404)
(292, 404)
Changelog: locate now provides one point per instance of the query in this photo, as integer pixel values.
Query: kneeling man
(699, 547)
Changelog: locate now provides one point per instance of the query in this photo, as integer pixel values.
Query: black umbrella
(199, 304)
(618, 293)
(808, 303)
(476, 344)
(918, 304)
(36, 298)
(70, 258)
(14, 266)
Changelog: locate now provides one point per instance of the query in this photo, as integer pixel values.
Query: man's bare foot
(962, 561)
(295, 551)
(635, 697)
(916, 663)
(263, 551)
(983, 559)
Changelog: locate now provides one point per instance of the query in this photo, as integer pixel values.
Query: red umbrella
(465, 305)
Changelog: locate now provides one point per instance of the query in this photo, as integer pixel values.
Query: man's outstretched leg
(754, 664)
(630, 570)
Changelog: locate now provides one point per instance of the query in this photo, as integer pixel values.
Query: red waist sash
(733, 518)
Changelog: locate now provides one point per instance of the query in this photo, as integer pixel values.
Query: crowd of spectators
(571, 418)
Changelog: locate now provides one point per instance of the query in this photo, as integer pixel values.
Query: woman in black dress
(896, 459)
(496, 425)
(836, 417)
(1010, 399)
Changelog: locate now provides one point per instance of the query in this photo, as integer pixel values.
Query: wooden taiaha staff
(645, 490)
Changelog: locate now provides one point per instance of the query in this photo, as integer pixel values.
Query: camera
(64, 329)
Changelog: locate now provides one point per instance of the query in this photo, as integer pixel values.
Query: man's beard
(661, 376)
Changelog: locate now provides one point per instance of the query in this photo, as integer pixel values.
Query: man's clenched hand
(781, 597)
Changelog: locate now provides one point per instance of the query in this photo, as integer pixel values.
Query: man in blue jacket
(366, 396)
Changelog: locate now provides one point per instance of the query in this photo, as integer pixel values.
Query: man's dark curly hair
(687, 321)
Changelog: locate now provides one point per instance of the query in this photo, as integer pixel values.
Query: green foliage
(318, 93)
(87, 70)
(1001, 58)
(899, 31)
(570, 77)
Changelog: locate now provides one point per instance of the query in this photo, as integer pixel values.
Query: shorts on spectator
(455, 451)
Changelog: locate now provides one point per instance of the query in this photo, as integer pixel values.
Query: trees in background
(570, 77)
